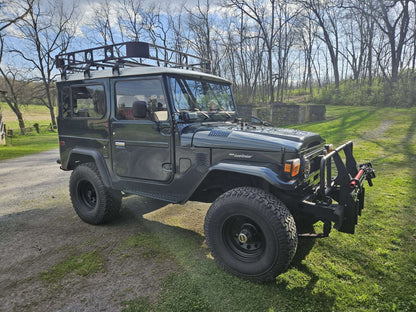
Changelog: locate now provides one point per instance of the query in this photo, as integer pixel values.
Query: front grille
(315, 164)
(313, 156)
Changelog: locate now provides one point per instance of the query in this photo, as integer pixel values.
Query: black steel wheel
(251, 234)
(87, 194)
(92, 200)
(244, 237)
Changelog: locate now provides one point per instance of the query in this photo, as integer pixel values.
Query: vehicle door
(141, 130)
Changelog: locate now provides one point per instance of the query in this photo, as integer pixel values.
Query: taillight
(292, 167)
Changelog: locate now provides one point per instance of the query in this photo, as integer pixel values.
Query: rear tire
(93, 202)
(251, 234)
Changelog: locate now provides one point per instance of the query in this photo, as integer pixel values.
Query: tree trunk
(21, 122)
(270, 75)
(18, 113)
(53, 119)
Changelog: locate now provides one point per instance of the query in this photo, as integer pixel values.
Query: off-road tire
(270, 229)
(92, 200)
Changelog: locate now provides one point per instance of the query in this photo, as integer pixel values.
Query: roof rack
(127, 54)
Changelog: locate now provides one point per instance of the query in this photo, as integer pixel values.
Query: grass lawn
(22, 145)
(373, 270)
(32, 142)
(31, 114)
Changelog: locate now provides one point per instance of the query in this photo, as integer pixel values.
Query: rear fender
(82, 155)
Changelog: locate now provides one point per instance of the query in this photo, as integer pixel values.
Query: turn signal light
(329, 148)
(292, 167)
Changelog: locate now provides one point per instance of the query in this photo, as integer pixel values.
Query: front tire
(93, 202)
(251, 234)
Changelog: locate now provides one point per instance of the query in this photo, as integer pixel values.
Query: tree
(393, 19)
(46, 33)
(325, 15)
(10, 14)
(307, 35)
(130, 19)
(266, 15)
(13, 86)
(200, 24)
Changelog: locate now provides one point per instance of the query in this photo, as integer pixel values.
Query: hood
(249, 138)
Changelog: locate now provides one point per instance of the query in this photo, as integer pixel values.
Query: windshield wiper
(206, 116)
(222, 113)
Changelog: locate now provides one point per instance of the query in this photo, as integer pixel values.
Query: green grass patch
(141, 304)
(21, 145)
(149, 244)
(83, 264)
(31, 114)
(32, 142)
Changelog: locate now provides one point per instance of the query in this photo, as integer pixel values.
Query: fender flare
(262, 172)
(98, 159)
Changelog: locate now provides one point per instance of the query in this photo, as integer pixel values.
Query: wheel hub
(248, 231)
(242, 238)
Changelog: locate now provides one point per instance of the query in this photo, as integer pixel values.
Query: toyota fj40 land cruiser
(169, 131)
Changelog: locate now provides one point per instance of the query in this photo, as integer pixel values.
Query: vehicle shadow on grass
(199, 281)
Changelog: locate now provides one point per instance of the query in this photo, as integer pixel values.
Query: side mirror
(139, 109)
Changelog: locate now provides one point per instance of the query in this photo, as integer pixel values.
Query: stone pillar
(245, 111)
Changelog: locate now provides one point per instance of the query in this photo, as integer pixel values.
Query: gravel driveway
(39, 229)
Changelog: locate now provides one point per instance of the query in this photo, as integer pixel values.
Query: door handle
(120, 144)
(167, 167)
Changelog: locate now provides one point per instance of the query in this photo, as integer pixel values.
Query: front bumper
(346, 188)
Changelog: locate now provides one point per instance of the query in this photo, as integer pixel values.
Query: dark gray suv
(133, 123)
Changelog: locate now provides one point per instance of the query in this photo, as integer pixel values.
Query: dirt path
(379, 131)
(39, 230)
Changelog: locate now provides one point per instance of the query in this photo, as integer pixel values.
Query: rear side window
(83, 101)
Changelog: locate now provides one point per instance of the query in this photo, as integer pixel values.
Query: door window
(150, 91)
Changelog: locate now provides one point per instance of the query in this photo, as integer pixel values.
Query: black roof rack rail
(128, 54)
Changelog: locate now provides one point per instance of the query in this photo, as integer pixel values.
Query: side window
(149, 91)
(88, 101)
(83, 101)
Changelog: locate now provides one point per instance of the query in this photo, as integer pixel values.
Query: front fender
(262, 172)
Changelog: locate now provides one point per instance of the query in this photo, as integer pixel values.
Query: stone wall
(284, 114)
(245, 111)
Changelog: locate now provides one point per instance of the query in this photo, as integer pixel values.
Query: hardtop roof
(141, 71)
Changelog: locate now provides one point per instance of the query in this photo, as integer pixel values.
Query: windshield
(201, 100)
